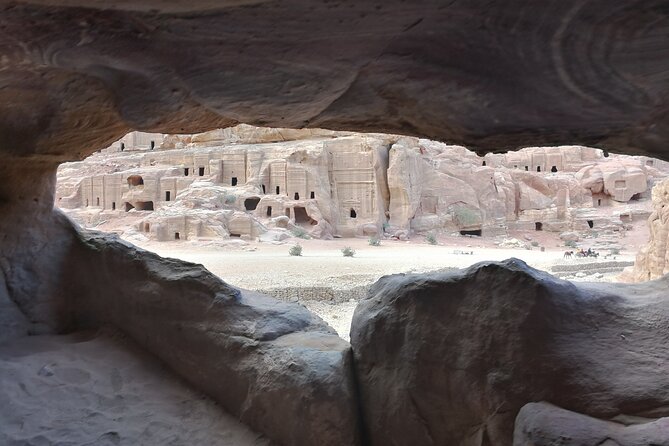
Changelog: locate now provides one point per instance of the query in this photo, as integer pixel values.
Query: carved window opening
(251, 203)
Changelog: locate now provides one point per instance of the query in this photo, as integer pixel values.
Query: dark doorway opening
(144, 205)
(153, 145)
(353, 214)
(527, 168)
(185, 171)
(251, 203)
(635, 197)
(263, 189)
(200, 171)
(538, 226)
(277, 190)
(135, 180)
(476, 232)
(301, 215)
(538, 168)
(113, 205)
(97, 201)
(233, 181)
(122, 147)
(313, 195)
(606, 154)
(235, 235)
(483, 164)
(554, 169)
(177, 236)
(599, 202)
(269, 211)
(168, 195)
(297, 196)
(591, 224)
(87, 202)
(128, 206)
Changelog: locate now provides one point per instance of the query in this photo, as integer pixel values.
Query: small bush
(431, 239)
(570, 244)
(299, 233)
(535, 243)
(348, 251)
(295, 250)
(230, 199)
(615, 251)
(374, 241)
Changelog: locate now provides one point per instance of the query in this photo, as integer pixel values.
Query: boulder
(542, 424)
(276, 366)
(450, 358)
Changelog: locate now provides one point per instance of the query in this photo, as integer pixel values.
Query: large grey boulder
(449, 359)
(542, 424)
(276, 366)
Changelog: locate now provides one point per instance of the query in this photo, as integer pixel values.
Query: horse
(568, 254)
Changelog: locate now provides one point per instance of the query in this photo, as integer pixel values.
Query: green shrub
(348, 251)
(431, 239)
(535, 243)
(230, 199)
(374, 241)
(295, 250)
(299, 233)
(466, 217)
(570, 244)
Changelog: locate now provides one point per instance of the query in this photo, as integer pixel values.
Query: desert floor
(269, 267)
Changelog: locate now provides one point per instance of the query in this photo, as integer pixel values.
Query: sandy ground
(262, 266)
(101, 390)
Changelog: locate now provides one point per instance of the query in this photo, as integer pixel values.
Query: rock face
(452, 358)
(233, 182)
(541, 424)
(267, 362)
(76, 69)
(652, 261)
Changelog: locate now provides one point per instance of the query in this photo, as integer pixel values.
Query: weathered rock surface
(652, 261)
(270, 363)
(542, 424)
(451, 358)
(80, 74)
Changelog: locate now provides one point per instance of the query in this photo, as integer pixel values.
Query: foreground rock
(451, 358)
(275, 365)
(541, 424)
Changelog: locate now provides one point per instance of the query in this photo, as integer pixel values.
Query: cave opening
(527, 168)
(200, 171)
(128, 206)
(591, 224)
(353, 214)
(635, 197)
(301, 215)
(144, 205)
(277, 190)
(177, 236)
(251, 203)
(153, 145)
(186, 171)
(233, 181)
(538, 226)
(113, 205)
(483, 163)
(538, 168)
(168, 196)
(474, 232)
(135, 180)
(122, 147)
(312, 195)
(97, 201)
(263, 189)
(269, 211)
(554, 169)
(297, 196)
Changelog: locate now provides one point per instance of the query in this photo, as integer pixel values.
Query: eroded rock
(451, 358)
